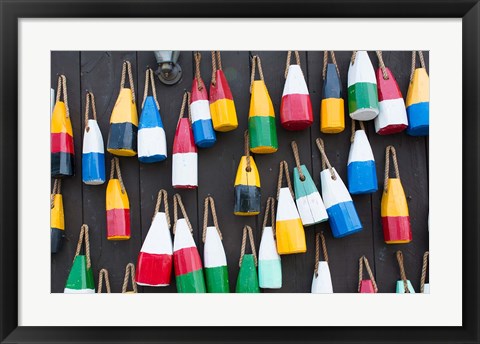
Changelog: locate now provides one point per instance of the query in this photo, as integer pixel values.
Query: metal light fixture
(169, 71)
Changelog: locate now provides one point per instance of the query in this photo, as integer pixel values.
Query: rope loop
(216, 65)
(325, 63)
(414, 63)
(209, 202)
(57, 185)
(381, 64)
(387, 165)
(318, 237)
(129, 274)
(127, 68)
(62, 88)
(297, 160)
(89, 102)
(246, 145)
(185, 105)
(149, 79)
(198, 57)
(103, 274)
(177, 202)
(325, 162)
(256, 62)
(403, 275)
(284, 167)
(162, 196)
(269, 212)
(362, 127)
(289, 56)
(115, 167)
(424, 271)
(354, 56)
(363, 260)
(84, 237)
(244, 244)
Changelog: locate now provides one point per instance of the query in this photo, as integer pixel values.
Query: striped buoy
(296, 107)
(154, 264)
(129, 274)
(61, 135)
(202, 125)
(322, 280)
(222, 107)
(247, 184)
(57, 218)
(424, 287)
(103, 275)
(366, 285)
(309, 202)
(269, 264)
(186, 259)
(152, 143)
(403, 285)
(118, 205)
(332, 113)
(394, 208)
(418, 99)
(361, 171)
(289, 229)
(122, 136)
(392, 117)
(80, 278)
(216, 271)
(362, 88)
(261, 117)
(93, 154)
(247, 280)
(185, 158)
(342, 215)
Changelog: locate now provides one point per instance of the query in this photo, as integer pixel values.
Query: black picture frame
(12, 11)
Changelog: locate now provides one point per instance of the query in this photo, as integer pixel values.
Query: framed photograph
(269, 162)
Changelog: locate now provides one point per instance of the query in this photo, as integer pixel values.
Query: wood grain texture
(100, 73)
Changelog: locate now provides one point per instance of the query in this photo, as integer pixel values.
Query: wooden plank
(218, 164)
(343, 253)
(156, 176)
(412, 161)
(101, 73)
(68, 63)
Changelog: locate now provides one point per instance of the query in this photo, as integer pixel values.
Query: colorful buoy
(309, 202)
(186, 259)
(202, 125)
(392, 117)
(154, 264)
(216, 271)
(366, 285)
(362, 88)
(103, 275)
(418, 99)
(93, 154)
(118, 205)
(152, 143)
(247, 184)
(361, 170)
(342, 215)
(424, 287)
(61, 135)
(129, 274)
(394, 208)
(185, 158)
(122, 136)
(332, 113)
(261, 117)
(296, 107)
(404, 286)
(247, 281)
(269, 264)
(57, 218)
(222, 107)
(322, 279)
(80, 278)
(289, 228)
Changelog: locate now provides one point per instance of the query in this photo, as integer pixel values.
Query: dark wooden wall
(100, 72)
